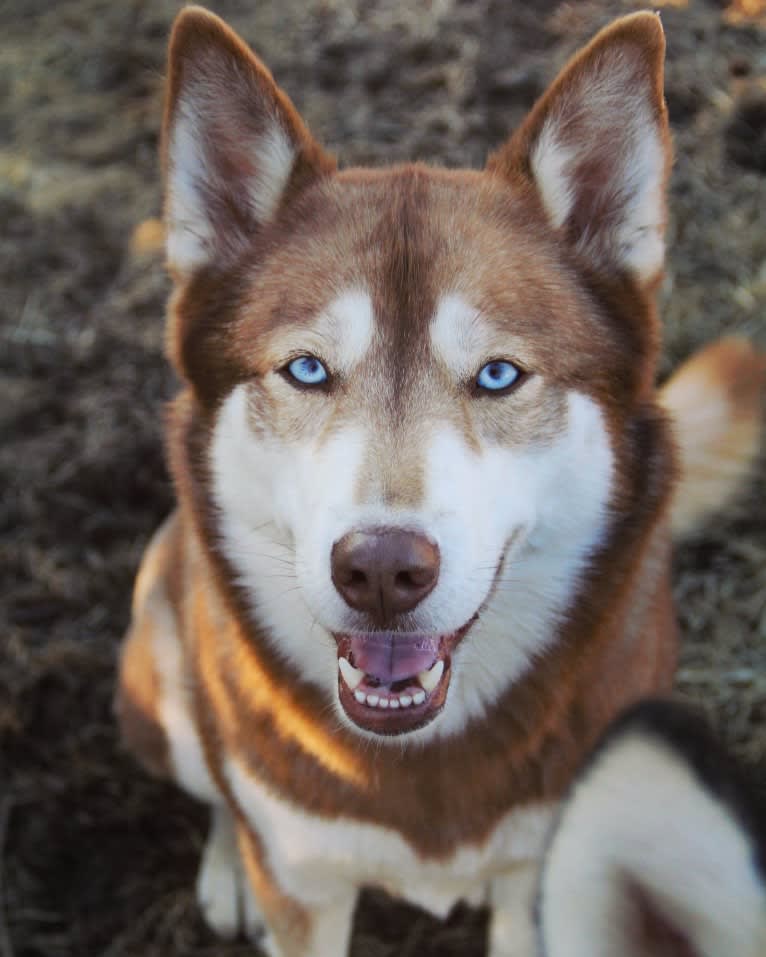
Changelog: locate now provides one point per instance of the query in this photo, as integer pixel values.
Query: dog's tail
(148, 238)
(715, 400)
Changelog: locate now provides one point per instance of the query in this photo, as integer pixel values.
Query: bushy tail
(148, 238)
(716, 402)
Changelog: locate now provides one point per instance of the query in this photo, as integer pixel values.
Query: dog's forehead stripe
(456, 333)
(405, 275)
(350, 325)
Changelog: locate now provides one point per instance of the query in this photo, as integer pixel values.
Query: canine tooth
(360, 696)
(419, 697)
(383, 703)
(405, 700)
(351, 675)
(372, 700)
(431, 678)
(393, 703)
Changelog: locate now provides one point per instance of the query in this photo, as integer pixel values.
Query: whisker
(272, 558)
(287, 591)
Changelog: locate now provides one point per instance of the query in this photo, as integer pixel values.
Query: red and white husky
(426, 489)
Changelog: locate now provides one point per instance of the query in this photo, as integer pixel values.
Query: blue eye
(497, 375)
(307, 370)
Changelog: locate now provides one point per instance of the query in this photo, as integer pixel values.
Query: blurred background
(96, 859)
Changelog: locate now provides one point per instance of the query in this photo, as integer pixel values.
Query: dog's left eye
(498, 375)
(307, 370)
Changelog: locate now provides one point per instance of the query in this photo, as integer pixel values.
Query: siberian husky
(426, 489)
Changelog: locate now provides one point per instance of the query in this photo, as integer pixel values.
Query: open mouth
(393, 682)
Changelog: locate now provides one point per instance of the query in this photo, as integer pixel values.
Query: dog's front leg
(330, 928)
(296, 927)
(511, 929)
(224, 894)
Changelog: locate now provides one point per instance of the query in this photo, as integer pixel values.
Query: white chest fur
(317, 859)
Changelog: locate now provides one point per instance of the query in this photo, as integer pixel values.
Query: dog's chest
(315, 858)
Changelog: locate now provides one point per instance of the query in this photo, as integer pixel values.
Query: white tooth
(419, 697)
(430, 679)
(393, 703)
(351, 675)
(405, 700)
(360, 696)
(383, 703)
(372, 700)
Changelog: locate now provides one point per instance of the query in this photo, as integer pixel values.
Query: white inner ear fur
(194, 178)
(188, 230)
(612, 115)
(551, 162)
(641, 816)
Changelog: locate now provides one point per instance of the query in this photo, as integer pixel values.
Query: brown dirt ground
(95, 859)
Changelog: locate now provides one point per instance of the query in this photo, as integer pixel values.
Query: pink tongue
(390, 657)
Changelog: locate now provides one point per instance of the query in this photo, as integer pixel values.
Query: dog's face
(415, 379)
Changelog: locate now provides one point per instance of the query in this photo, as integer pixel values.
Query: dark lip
(391, 723)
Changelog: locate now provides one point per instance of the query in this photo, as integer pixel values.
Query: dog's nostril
(384, 571)
(416, 577)
(411, 579)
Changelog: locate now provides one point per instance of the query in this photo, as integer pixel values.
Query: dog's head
(421, 386)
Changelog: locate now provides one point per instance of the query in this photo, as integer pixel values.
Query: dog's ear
(234, 148)
(660, 850)
(596, 148)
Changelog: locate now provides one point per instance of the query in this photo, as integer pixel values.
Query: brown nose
(384, 571)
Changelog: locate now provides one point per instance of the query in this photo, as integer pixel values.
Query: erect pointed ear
(597, 149)
(234, 148)
(660, 850)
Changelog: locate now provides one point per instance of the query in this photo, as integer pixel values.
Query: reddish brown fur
(137, 701)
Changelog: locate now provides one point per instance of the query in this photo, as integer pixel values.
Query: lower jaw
(390, 722)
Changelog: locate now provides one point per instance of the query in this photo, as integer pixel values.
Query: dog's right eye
(307, 371)
(498, 376)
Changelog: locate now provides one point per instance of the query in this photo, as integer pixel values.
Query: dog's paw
(512, 928)
(268, 945)
(218, 884)
(223, 892)
(253, 921)
(511, 937)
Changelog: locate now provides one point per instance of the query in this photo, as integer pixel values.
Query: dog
(426, 489)
(660, 849)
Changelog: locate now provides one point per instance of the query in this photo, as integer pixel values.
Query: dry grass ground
(95, 859)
